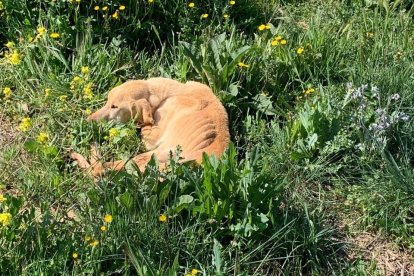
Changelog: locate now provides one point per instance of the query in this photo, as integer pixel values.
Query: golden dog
(171, 114)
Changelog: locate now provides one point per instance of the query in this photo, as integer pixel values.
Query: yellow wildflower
(191, 5)
(75, 255)
(115, 15)
(54, 35)
(47, 92)
(2, 198)
(121, 7)
(300, 50)
(150, 1)
(162, 218)
(75, 82)
(88, 111)
(94, 243)
(103, 228)
(275, 42)
(25, 124)
(309, 91)
(14, 58)
(5, 218)
(225, 16)
(204, 15)
(85, 70)
(242, 64)
(283, 42)
(7, 92)
(105, 8)
(263, 27)
(63, 98)
(108, 218)
(88, 238)
(42, 137)
(87, 92)
(77, 79)
(194, 271)
(41, 31)
(96, 8)
(9, 44)
(278, 38)
(232, 2)
(113, 133)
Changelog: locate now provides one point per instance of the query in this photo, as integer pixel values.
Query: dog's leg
(80, 160)
(150, 136)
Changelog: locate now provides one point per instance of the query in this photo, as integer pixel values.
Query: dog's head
(125, 103)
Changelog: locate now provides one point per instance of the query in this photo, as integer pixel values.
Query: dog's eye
(114, 106)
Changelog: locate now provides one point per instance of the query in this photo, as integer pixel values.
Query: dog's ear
(141, 110)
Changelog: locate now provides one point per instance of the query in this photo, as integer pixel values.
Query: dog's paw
(80, 160)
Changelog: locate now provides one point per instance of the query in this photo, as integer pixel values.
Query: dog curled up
(171, 114)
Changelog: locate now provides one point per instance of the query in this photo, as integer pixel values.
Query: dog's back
(192, 118)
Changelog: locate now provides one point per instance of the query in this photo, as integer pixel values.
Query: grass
(321, 137)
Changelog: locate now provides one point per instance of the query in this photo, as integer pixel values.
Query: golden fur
(171, 114)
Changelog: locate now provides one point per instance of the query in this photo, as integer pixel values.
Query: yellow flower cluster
(87, 91)
(54, 35)
(9, 44)
(113, 133)
(278, 41)
(42, 138)
(263, 27)
(2, 198)
(5, 219)
(300, 50)
(91, 242)
(41, 31)
(7, 92)
(309, 91)
(115, 15)
(85, 70)
(13, 57)
(94, 243)
(194, 272)
(25, 124)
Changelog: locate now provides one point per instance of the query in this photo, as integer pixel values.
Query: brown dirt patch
(8, 137)
(8, 132)
(390, 259)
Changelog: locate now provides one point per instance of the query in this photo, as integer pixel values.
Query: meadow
(318, 179)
